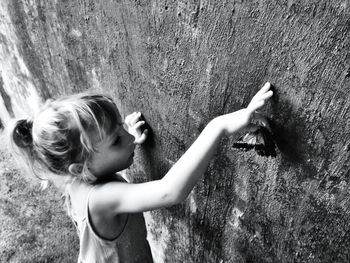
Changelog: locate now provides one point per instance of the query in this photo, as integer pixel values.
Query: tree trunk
(181, 63)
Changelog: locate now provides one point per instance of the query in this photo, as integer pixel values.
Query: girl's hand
(134, 125)
(238, 120)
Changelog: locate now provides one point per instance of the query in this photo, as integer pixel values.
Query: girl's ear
(75, 169)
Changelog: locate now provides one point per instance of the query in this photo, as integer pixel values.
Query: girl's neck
(61, 182)
(110, 178)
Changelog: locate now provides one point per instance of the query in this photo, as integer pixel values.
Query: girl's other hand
(134, 125)
(238, 120)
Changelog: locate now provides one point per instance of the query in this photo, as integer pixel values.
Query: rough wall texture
(184, 62)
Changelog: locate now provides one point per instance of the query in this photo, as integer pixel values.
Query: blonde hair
(63, 133)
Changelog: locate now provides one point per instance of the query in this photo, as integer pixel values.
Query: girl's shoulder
(78, 193)
(93, 195)
(80, 188)
(86, 206)
(107, 224)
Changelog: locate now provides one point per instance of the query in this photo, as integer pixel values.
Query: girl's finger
(134, 118)
(128, 118)
(142, 138)
(138, 124)
(265, 88)
(266, 95)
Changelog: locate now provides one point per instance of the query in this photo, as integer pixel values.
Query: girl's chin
(129, 161)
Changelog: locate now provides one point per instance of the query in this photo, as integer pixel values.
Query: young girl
(81, 141)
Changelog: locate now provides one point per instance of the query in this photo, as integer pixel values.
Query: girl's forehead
(119, 117)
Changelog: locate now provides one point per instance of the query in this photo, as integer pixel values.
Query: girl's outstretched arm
(175, 186)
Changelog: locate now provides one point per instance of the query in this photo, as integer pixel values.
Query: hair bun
(22, 134)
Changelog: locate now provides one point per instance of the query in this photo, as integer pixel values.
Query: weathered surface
(183, 62)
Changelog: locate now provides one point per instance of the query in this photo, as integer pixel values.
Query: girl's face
(114, 153)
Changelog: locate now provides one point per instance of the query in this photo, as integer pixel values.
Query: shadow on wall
(289, 129)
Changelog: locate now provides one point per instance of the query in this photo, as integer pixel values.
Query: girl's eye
(116, 141)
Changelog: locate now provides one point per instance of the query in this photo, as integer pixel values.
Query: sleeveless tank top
(130, 246)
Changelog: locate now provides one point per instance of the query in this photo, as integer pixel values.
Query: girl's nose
(130, 138)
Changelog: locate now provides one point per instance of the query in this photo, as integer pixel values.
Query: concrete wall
(184, 62)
